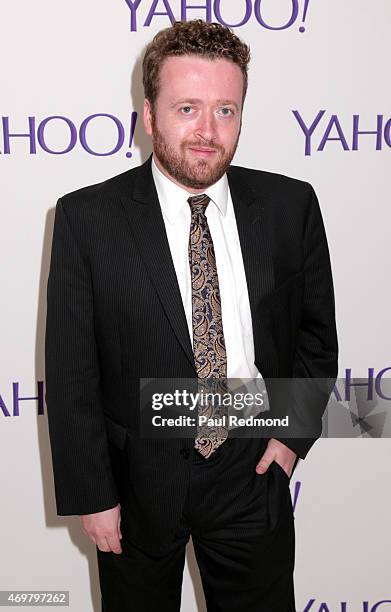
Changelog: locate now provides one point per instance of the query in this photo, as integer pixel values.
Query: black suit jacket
(115, 315)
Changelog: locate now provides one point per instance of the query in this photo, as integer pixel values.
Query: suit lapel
(146, 224)
(252, 218)
(251, 214)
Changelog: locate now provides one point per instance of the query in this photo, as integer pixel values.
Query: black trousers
(242, 528)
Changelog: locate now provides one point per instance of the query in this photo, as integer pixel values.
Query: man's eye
(227, 109)
(185, 107)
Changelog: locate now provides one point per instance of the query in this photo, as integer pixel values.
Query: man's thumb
(263, 465)
(119, 524)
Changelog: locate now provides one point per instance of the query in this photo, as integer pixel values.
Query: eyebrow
(198, 100)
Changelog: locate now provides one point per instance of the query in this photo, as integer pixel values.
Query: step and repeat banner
(318, 109)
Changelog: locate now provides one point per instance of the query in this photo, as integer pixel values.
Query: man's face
(197, 120)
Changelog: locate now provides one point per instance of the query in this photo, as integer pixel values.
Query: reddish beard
(198, 174)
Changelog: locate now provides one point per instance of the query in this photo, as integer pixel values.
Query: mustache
(203, 145)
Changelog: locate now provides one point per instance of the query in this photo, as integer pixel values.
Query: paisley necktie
(208, 337)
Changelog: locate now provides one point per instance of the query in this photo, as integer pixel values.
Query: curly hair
(195, 37)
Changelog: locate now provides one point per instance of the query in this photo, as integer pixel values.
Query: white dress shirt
(235, 306)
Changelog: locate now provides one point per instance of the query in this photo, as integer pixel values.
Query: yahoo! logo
(344, 606)
(373, 385)
(348, 138)
(36, 134)
(232, 14)
(7, 411)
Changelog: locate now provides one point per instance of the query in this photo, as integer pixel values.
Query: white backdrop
(70, 81)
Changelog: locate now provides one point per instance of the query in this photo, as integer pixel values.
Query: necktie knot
(198, 203)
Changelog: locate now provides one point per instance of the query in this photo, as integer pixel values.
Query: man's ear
(147, 117)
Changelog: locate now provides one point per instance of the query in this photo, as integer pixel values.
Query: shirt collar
(173, 198)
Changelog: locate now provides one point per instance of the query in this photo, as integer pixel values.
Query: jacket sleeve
(315, 365)
(81, 465)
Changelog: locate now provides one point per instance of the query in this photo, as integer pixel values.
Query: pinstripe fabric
(242, 529)
(115, 314)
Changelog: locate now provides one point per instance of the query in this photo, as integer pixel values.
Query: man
(125, 302)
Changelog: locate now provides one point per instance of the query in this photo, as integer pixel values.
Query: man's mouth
(203, 150)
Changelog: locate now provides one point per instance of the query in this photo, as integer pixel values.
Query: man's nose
(206, 128)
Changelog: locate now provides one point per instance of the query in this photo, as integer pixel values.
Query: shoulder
(269, 181)
(287, 198)
(272, 184)
(98, 195)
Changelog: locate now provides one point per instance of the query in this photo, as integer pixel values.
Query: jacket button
(185, 452)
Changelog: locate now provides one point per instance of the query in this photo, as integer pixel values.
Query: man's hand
(276, 451)
(103, 528)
